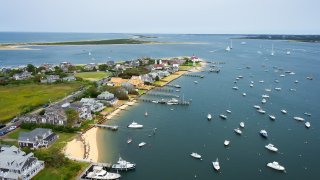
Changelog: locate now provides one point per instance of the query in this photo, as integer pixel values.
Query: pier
(113, 128)
(163, 89)
(194, 75)
(165, 101)
(173, 85)
(216, 70)
(162, 95)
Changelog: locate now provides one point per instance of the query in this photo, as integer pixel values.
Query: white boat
(264, 133)
(89, 53)
(276, 81)
(196, 82)
(195, 155)
(129, 140)
(261, 81)
(272, 51)
(261, 111)
(231, 47)
(142, 144)
(293, 89)
(298, 118)
(307, 114)
(251, 82)
(238, 131)
(277, 88)
(244, 94)
(284, 111)
(251, 85)
(282, 75)
(223, 116)
(307, 124)
(226, 142)
(275, 165)
(209, 116)
(99, 173)
(265, 96)
(146, 113)
(243, 43)
(272, 117)
(292, 73)
(135, 125)
(228, 48)
(123, 165)
(242, 124)
(310, 78)
(288, 52)
(263, 101)
(156, 102)
(257, 107)
(296, 81)
(216, 165)
(228, 111)
(235, 88)
(271, 147)
(267, 90)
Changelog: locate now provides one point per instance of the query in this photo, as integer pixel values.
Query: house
(65, 66)
(128, 86)
(37, 138)
(23, 75)
(95, 106)
(120, 67)
(55, 116)
(47, 67)
(90, 67)
(117, 81)
(136, 81)
(107, 97)
(50, 79)
(146, 78)
(83, 110)
(158, 66)
(16, 164)
(175, 64)
(69, 78)
(162, 74)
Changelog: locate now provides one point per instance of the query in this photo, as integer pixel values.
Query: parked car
(14, 120)
(2, 126)
(11, 128)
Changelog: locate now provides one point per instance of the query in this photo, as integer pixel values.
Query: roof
(30, 136)
(118, 80)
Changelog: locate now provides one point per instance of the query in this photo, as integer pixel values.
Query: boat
(264, 133)
(276, 81)
(242, 124)
(310, 78)
(238, 131)
(231, 47)
(129, 140)
(296, 81)
(275, 165)
(228, 48)
(216, 165)
(271, 147)
(307, 114)
(261, 111)
(99, 173)
(257, 107)
(292, 73)
(123, 165)
(268, 90)
(272, 52)
(177, 86)
(135, 125)
(223, 116)
(195, 155)
(263, 101)
(282, 75)
(288, 52)
(235, 88)
(265, 96)
(298, 118)
(284, 111)
(261, 81)
(226, 142)
(293, 89)
(177, 90)
(307, 124)
(146, 113)
(209, 116)
(272, 117)
(277, 88)
(154, 101)
(196, 82)
(89, 53)
(142, 144)
(243, 43)
(244, 94)
(251, 85)
(228, 111)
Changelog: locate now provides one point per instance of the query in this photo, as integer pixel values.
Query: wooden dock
(113, 128)
(162, 94)
(165, 101)
(194, 75)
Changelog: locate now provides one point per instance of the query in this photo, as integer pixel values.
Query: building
(65, 66)
(146, 78)
(95, 106)
(37, 138)
(50, 79)
(22, 76)
(69, 78)
(110, 63)
(107, 97)
(54, 116)
(16, 164)
(90, 67)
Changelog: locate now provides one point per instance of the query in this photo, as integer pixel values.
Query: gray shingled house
(39, 137)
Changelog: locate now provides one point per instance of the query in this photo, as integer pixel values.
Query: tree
(72, 117)
(157, 78)
(103, 67)
(31, 68)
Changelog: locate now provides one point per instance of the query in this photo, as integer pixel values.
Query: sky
(162, 16)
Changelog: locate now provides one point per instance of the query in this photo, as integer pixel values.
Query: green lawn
(93, 76)
(15, 134)
(16, 99)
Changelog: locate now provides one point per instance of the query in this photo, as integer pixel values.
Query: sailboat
(228, 48)
(146, 113)
(272, 52)
(231, 45)
(89, 53)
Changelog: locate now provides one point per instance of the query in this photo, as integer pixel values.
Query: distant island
(300, 38)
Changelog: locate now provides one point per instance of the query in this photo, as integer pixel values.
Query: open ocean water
(185, 129)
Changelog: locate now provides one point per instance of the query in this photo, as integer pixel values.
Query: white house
(108, 97)
(94, 105)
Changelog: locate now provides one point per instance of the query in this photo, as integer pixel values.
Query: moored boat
(264, 133)
(226, 142)
(99, 173)
(298, 118)
(209, 116)
(284, 111)
(307, 124)
(272, 117)
(195, 155)
(228, 111)
(271, 147)
(238, 131)
(216, 165)
(135, 125)
(261, 111)
(142, 144)
(123, 165)
(275, 165)
(242, 124)
(223, 116)
(257, 107)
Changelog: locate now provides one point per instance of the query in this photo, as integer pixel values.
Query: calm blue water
(185, 129)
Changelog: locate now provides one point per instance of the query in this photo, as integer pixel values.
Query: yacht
(307, 124)
(226, 142)
(298, 118)
(284, 111)
(261, 111)
(235, 88)
(99, 173)
(263, 101)
(123, 165)
(244, 94)
(223, 116)
(228, 111)
(251, 85)
(265, 96)
(135, 125)
(257, 107)
(209, 116)
(264, 133)
(276, 81)
(238, 131)
(307, 114)
(275, 165)
(129, 140)
(242, 124)
(195, 155)
(271, 147)
(282, 75)
(228, 48)
(277, 88)
(272, 117)
(142, 144)
(216, 165)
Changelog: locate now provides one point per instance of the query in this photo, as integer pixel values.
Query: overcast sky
(162, 16)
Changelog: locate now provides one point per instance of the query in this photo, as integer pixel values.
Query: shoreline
(87, 149)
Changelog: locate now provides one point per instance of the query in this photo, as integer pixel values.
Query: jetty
(113, 128)
(194, 75)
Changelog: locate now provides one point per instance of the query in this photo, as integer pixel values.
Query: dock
(165, 101)
(105, 166)
(163, 89)
(162, 94)
(113, 128)
(173, 85)
(194, 75)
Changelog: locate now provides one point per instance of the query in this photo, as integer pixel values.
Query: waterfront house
(16, 164)
(48, 67)
(52, 115)
(146, 78)
(107, 97)
(83, 110)
(65, 66)
(37, 138)
(117, 81)
(95, 106)
(128, 86)
(136, 81)
(22, 76)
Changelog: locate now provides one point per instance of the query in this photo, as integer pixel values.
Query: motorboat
(242, 124)
(123, 165)
(251, 82)
(216, 165)
(310, 78)
(307, 114)
(146, 113)
(196, 82)
(251, 85)
(265, 96)
(288, 52)
(264, 133)
(298, 118)
(209, 116)
(271, 147)
(282, 75)
(272, 117)
(154, 101)
(275, 165)
(261, 81)
(257, 107)
(277, 88)
(135, 125)
(263, 101)
(293, 89)
(195, 155)
(296, 81)
(223, 116)
(244, 94)
(267, 90)
(284, 111)
(276, 81)
(129, 140)
(238, 131)
(142, 144)
(228, 111)
(292, 73)
(99, 173)
(307, 124)
(261, 111)
(235, 88)
(226, 142)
